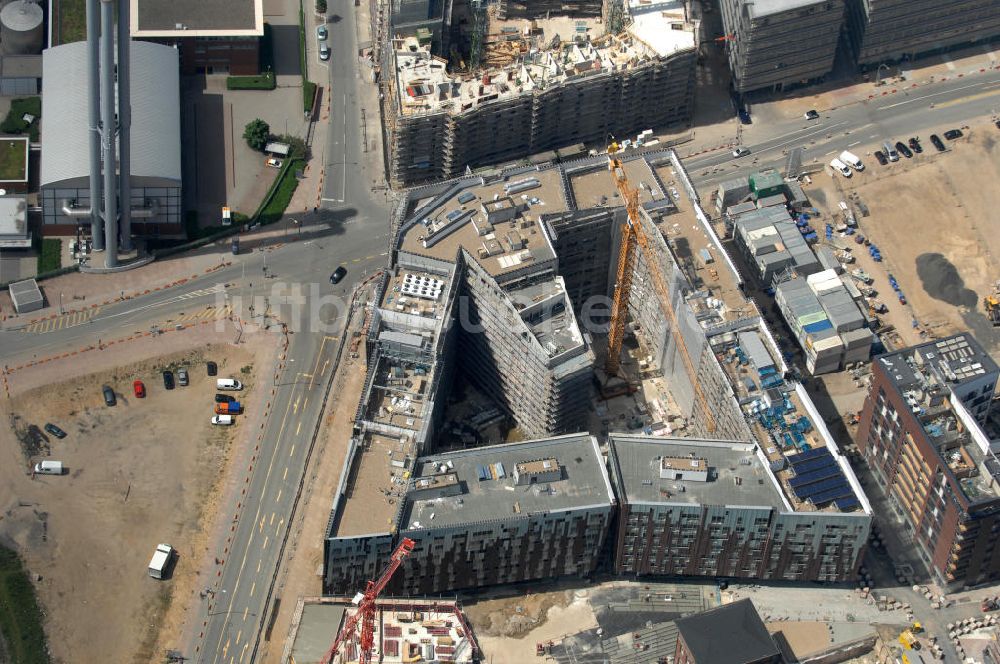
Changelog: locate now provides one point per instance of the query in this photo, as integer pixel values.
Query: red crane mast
(366, 608)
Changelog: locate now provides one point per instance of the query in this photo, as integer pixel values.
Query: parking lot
(136, 474)
(930, 217)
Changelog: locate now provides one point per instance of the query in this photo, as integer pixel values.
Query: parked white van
(852, 160)
(228, 384)
(161, 561)
(844, 169)
(49, 468)
(223, 420)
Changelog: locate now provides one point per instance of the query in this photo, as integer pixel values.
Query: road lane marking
(272, 519)
(259, 563)
(956, 102)
(851, 145)
(267, 538)
(225, 648)
(245, 612)
(278, 529)
(295, 406)
(64, 321)
(284, 475)
(291, 451)
(260, 528)
(936, 94)
(278, 497)
(239, 637)
(253, 588)
(246, 550)
(306, 401)
(298, 428)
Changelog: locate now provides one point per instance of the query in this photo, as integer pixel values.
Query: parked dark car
(744, 116)
(811, 114)
(224, 398)
(914, 144)
(55, 431)
(880, 157)
(338, 274)
(952, 134)
(997, 123)
(109, 396)
(212, 368)
(168, 380)
(903, 150)
(937, 142)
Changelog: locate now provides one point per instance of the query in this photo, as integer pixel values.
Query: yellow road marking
(246, 550)
(239, 636)
(295, 406)
(955, 102)
(225, 648)
(260, 528)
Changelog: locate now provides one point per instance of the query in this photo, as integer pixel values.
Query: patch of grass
(72, 21)
(281, 193)
(14, 124)
(308, 94)
(20, 616)
(12, 160)
(50, 256)
(308, 87)
(263, 81)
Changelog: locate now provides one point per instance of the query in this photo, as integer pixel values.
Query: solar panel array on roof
(820, 480)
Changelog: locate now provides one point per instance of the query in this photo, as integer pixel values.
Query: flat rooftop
(692, 245)
(735, 473)
(594, 187)
(661, 26)
(377, 485)
(415, 293)
(425, 86)
(499, 246)
(950, 361)
(197, 18)
(548, 313)
(488, 489)
(770, 7)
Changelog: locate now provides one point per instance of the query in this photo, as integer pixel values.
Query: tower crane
(632, 235)
(366, 609)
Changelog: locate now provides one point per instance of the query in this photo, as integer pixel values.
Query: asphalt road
(857, 127)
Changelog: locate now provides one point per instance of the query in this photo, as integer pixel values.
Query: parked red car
(139, 389)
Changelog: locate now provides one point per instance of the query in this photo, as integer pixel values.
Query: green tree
(320, 6)
(256, 133)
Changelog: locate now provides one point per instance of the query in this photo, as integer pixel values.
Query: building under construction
(506, 282)
(526, 91)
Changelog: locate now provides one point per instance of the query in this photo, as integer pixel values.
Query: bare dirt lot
(139, 473)
(933, 217)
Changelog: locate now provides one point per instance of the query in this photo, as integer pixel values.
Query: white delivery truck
(161, 560)
(49, 468)
(841, 167)
(228, 384)
(852, 160)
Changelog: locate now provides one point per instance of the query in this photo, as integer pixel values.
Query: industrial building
(882, 32)
(699, 642)
(441, 124)
(22, 28)
(503, 281)
(776, 44)
(921, 434)
(211, 36)
(155, 147)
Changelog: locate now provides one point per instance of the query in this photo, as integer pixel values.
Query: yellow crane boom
(633, 234)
